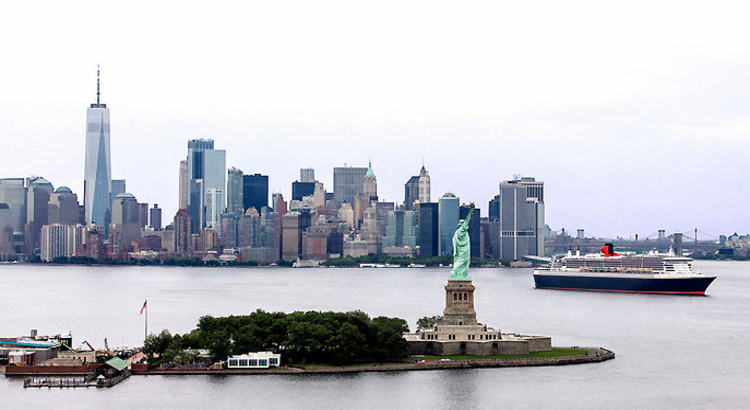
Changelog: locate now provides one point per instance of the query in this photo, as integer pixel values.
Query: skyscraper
(447, 223)
(255, 191)
(234, 192)
(348, 182)
(13, 193)
(521, 218)
(97, 180)
(206, 168)
(427, 213)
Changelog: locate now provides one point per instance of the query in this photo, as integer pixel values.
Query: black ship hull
(693, 285)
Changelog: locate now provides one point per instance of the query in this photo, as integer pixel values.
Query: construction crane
(89, 345)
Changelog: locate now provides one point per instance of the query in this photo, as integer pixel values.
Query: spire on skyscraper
(97, 84)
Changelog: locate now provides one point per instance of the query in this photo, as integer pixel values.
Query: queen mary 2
(659, 273)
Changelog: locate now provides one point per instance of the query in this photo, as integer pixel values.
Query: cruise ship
(608, 271)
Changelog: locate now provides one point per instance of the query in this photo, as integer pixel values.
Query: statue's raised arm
(462, 249)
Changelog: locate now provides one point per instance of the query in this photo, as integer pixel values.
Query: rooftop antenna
(97, 84)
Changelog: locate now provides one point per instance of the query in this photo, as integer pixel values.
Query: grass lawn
(555, 352)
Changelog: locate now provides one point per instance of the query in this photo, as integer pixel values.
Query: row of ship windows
(469, 337)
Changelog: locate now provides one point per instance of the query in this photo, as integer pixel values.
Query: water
(673, 352)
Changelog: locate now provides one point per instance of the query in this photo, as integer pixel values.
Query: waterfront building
(64, 208)
(256, 360)
(93, 244)
(348, 182)
(209, 239)
(427, 213)
(448, 216)
(521, 219)
(13, 193)
(155, 217)
(249, 230)
(206, 169)
(254, 191)
(381, 211)
(60, 240)
(234, 192)
(37, 211)
(97, 181)
(355, 247)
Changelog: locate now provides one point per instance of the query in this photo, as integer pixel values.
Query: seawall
(601, 354)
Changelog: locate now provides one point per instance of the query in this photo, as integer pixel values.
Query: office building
(155, 217)
(37, 211)
(184, 184)
(306, 175)
(13, 194)
(126, 221)
(64, 208)
(206, 169)
(302, 189)
(521, 219)
(255, 191)
(6, 231)
(214, 208)
(401, 230)
(447, 223)
(417, 188)
(348, 182)
(427, 216)
(234, 192)
(97, 182)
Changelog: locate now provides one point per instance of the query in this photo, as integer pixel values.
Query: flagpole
(146, 331)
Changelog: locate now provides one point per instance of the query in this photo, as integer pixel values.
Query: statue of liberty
(462, 249)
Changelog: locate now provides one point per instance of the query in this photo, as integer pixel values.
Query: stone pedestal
(459, 303)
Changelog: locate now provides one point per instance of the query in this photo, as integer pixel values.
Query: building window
(253, 362)
(243, 362)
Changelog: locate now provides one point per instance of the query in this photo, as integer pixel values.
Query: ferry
(608, 271)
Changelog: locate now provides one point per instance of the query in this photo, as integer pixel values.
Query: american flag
(144, 306)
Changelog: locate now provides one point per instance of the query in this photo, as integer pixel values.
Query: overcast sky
(634, 114)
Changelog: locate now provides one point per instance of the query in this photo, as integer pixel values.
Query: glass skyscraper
(206, 169)
(97, 181)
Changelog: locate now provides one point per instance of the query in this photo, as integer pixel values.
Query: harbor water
(673, 352)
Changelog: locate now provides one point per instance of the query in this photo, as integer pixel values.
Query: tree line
(301, 337)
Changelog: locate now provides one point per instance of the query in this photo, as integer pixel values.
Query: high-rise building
(302, 189)
(126, 221)
(401, 230)
(427, 213)
(348, 182)
(119, 186)
(13, 193)
(97, 181)
(60, 240)
(64, 208)
(521, 218)
(447, 223)
(214, 208)
(206, 168)
(184, 184)
(182, 237)
(155, 217)
(255, 191)
(417, 188)
(37, 211)
(6, 231)
(424, 185)
(370, 184)
(306, 175)
(234, 192)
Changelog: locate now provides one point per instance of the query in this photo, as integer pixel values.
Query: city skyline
(631, 130)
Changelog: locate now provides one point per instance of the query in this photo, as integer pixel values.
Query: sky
(634, 114)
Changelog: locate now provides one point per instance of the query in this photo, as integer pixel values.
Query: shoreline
(602, 354)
